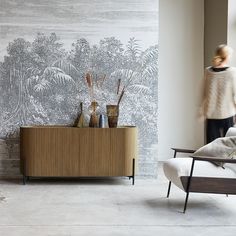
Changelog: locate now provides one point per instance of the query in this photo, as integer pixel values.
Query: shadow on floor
(70, 181)
(195, 203)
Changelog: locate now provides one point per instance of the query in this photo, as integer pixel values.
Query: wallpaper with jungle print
(46, 47)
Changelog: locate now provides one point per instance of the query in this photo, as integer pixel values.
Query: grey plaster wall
(215, 32)
(46, 47)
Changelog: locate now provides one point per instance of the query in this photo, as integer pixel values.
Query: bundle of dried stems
(91, 82)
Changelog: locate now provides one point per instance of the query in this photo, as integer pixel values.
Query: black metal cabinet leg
(24, 179)
(133, 171)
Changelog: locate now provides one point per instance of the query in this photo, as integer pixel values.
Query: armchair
(199, 174)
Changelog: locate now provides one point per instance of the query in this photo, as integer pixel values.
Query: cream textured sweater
(220, 93)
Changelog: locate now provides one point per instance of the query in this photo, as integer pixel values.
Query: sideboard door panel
(68, 151)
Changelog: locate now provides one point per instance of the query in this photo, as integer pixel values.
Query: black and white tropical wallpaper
(46, 47)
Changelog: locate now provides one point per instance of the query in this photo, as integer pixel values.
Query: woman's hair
(222, 52)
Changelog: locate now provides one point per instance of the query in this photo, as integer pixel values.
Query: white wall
(181, 71)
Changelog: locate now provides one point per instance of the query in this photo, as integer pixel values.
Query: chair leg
(186, 202)
(168, 192)
(188, 185)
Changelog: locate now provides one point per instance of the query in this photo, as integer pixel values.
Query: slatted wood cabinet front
(70, 152)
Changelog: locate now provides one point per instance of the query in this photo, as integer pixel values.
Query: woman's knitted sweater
(220, 93)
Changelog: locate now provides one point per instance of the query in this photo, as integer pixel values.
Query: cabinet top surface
(70, 127)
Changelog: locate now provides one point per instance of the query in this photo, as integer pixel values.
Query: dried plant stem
(91, 93)
(88, 78)
(81, 107)
(118, 86)
(121, 95)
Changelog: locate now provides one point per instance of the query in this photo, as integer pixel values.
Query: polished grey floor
(110, 207)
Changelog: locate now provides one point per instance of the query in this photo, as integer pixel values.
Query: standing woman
(219, 94)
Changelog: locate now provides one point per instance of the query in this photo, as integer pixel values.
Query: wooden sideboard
(60, 151)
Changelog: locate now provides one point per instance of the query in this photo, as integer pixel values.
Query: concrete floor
(113, 207)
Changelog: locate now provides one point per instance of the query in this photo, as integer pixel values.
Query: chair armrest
(213, 159)
(182, 150)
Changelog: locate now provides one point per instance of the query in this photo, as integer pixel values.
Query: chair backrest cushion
(222, 148)
(231, 132)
